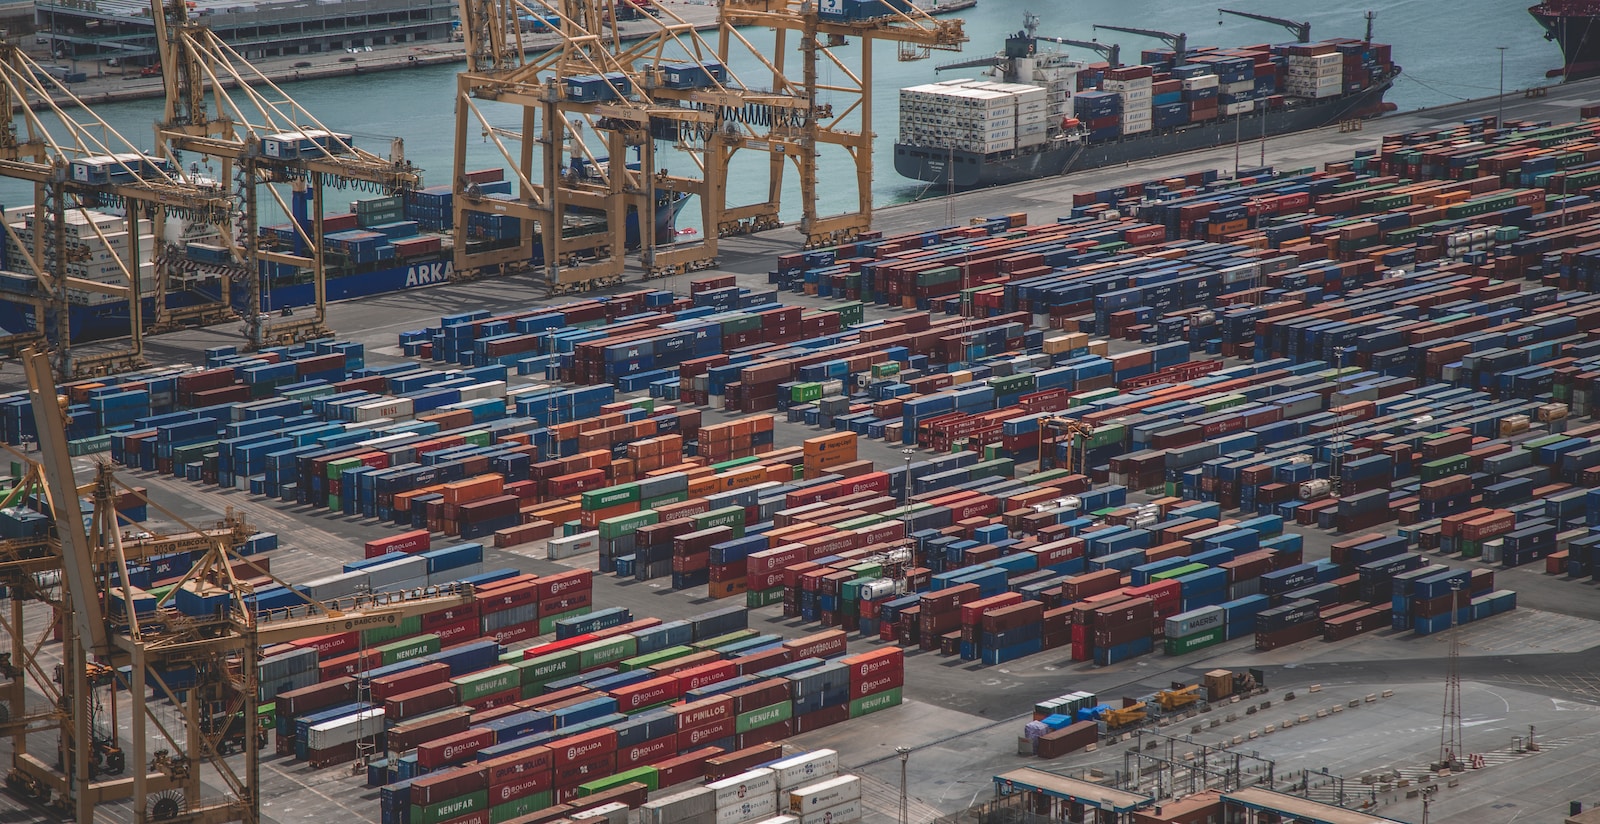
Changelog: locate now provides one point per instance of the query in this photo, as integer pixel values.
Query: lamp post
(905, 753)
(1500, 114)
(905, 491)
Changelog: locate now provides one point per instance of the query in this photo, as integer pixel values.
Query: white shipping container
(1033, 130)
(824, 794)
(846, 813)
(340, 731)
(780, 819)
(744, 785)
(335, 586)
(1236, 88)
(995, 146)
(1135, 127)
(1026, 140)
(573, 545)
(487, 389)
(1204, 81)
(806, 768)
(672, 809)
(393, 574)
(1135, 95)
(1031, 118)
(613, 813)
(386, 408)
(750, 809)
(1239, 108)
(445, 576)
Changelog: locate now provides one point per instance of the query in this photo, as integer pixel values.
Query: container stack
(1133, 85)
(1314, 70)
(956, 115)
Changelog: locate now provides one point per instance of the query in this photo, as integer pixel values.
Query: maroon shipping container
(574, 773)
(646, 752)
(449, 617)
(1067, 740)
(760, 661)
(742, 760)
(771, 733)
(821, 645)
(330, 693)
(431, 788)
(574, 599)
(1013, 617)
(704, 712)
(408, 736)
(825, 717)
(508, 598)
(691, 766)
(419, 702)
(700, 736)
(1293, 634)
(508, 769)
(411, 680)
(706, 675)
(633, 794)
(460, 632)
(453, 749)
(583, 746)
(417, 540)
(756, 696)
(1079, 587)
(555, 812)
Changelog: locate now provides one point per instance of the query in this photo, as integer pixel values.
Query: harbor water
(1445, 59)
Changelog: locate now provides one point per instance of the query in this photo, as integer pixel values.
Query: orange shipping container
(472, 489)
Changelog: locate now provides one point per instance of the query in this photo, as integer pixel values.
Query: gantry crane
(843, 106)
(77, 571)
(1179, 43)
(80, 167)
(1057, 429)
(262, 138)
(1301, 30)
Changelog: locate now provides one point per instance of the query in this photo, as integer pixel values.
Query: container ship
(381, 245)
(1575, 26)
(1036, 113)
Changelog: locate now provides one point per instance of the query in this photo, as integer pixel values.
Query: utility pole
(1500, 116)
(905, 753)
(1450, 746)
(905, 499)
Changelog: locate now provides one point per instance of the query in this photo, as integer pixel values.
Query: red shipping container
(478, 817)
(507, 598)
(408, 736)
(637, 696)
(647, 752)
(564, 583)
(467, 629)
(699, 736)
(448, 617)
(417, 540)
(453, 749)
(507, 769)
(704, 712)
(317, 696)
(876, 671)
(763, 694)
(412, 679)
(691, 766)
(766, 735)
(333, 646)
(520, 786)
(705, 675)
(741, 760)
(499, 699)
(583, 746)
(821, 645)
(435, 787)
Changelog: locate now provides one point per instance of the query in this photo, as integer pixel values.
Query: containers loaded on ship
(1036, 113)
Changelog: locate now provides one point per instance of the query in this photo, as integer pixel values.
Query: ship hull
(974, 171)
(112, 319)
(1578, 35)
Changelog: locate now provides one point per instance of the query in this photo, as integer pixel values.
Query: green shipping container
(766, 716)
(669, 498)
(851, 314)
(873, 703)
(610, 496)
(406, 628)
(660, 656)
(1178, 572)
(605, 651)
(1434, 470)
(621, 525)
(476, 438)
(521, 807)
(410, 648)
(547, 623)
(548, 667)
(756, 599)
(885, 370)
(805, 392)
(725, 639)
(491, 681)
(449, 808)
(644, 775)
(1180, 646)
(728, 516)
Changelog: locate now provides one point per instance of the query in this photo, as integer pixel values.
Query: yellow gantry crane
(67, 581)
(608, 128)
(81, 170)
(262, 139)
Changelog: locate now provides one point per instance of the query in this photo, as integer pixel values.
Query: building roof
(1084, 792)
(1301, 808)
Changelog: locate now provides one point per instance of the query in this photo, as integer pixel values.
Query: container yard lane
(982, 665)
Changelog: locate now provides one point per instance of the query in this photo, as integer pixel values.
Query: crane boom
(977, 62)
(1111, 51)
(76, 567)
(1300, 29)
(1177, 42)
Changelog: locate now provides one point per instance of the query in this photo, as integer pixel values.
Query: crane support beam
(76, 563)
